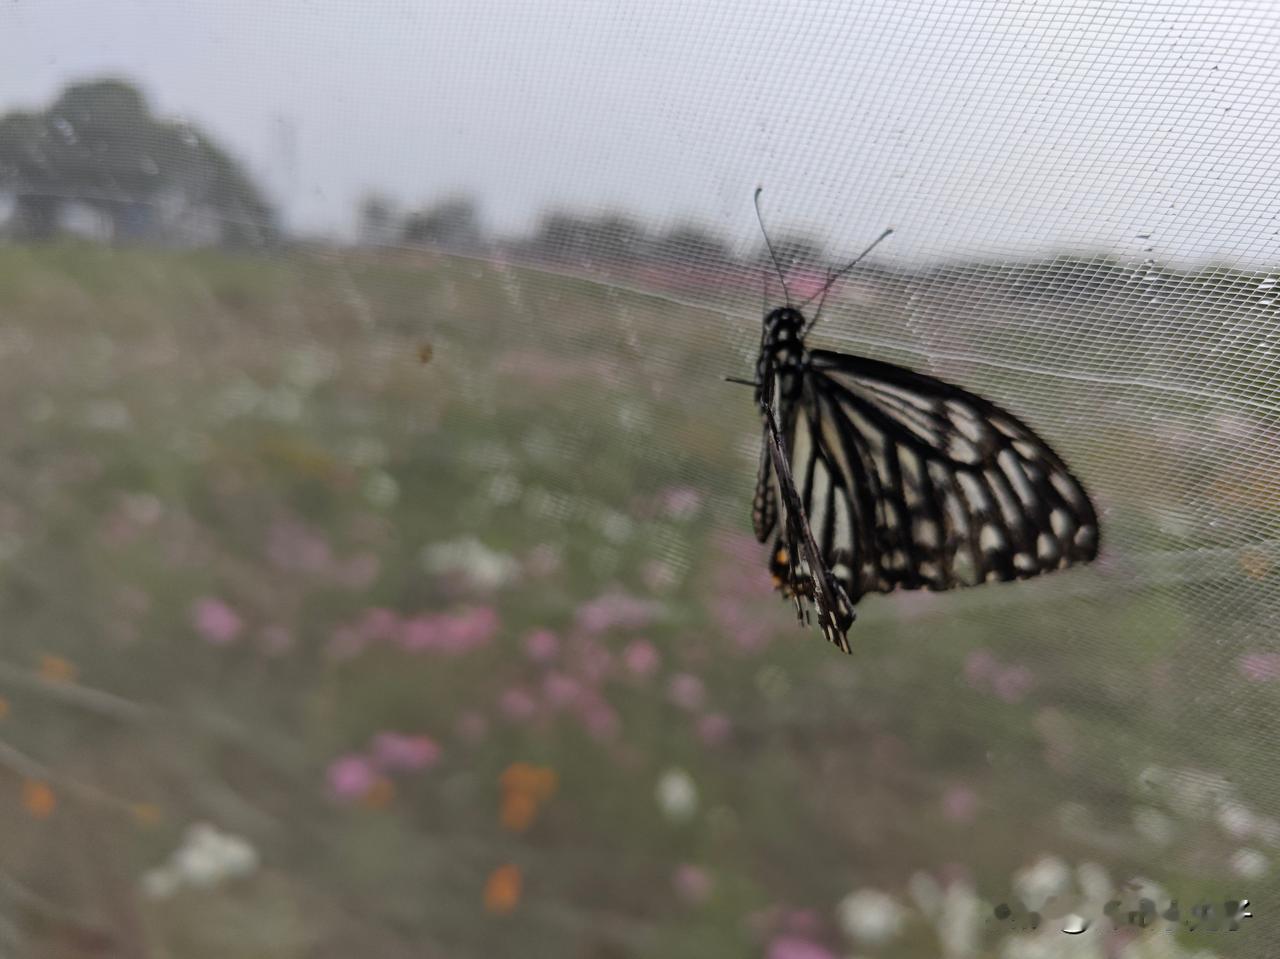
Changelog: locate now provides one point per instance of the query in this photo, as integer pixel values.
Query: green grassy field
(263, 567)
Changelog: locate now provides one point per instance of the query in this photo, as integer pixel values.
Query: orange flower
(537, 781)
(147, 814)
(38, 798)
(56, 669)
(380, 795)
(4, 707)
(502, 890)
(518, 811)
(517, 777)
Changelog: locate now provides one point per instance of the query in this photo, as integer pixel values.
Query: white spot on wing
(990, 539)
(1046, 548)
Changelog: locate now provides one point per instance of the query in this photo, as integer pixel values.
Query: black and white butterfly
(875, 478)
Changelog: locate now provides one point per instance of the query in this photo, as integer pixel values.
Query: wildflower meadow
(408, 606)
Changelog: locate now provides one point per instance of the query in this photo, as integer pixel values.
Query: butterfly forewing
(955, 491)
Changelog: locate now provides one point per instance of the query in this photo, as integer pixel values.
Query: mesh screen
(376, 566)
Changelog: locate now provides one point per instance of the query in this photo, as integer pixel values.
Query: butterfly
(874, 478)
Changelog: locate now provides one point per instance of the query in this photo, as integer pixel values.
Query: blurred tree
(98, 145)
(590, 241)
(690, 244)
(453, 223)
(377, 226)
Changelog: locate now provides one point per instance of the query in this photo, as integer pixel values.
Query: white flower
(1236, 819)
(1249, 864)
(381, 489)
(1095, 883)
(206, 858)
(1194, 792)
(616, 527)
(481, 565)
(209, 857)
(926, 892)
(1049, 876)
(677, 795)
(161, 882)
(870, 916)
(960, 924)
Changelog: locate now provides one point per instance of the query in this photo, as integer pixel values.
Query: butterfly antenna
(769, 243)
(821, 303)
(832, 277)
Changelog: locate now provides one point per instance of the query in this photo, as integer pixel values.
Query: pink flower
(419, 633)
(560, 690)
(614, 610)
(692, 883)
(450, 633)
(541, 645)
(686, 691)
(1260, 667)
(794, 947)
(398, 751)
(1013, 683)
(217, 622)
(641, 658)
(350, 777)
(681, 502)
(979, 667)
(960, 804)
(517, 705)
(713, 729)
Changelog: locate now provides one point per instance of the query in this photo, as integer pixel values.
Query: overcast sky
(974, 128)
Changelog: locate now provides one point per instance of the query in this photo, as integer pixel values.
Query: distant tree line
(608, 241)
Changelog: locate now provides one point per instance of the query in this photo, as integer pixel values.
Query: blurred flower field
(411, 607)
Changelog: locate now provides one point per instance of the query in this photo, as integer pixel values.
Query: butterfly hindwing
(797, 563)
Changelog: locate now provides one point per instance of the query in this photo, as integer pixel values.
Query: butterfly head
(782, 324)
(782, 351)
